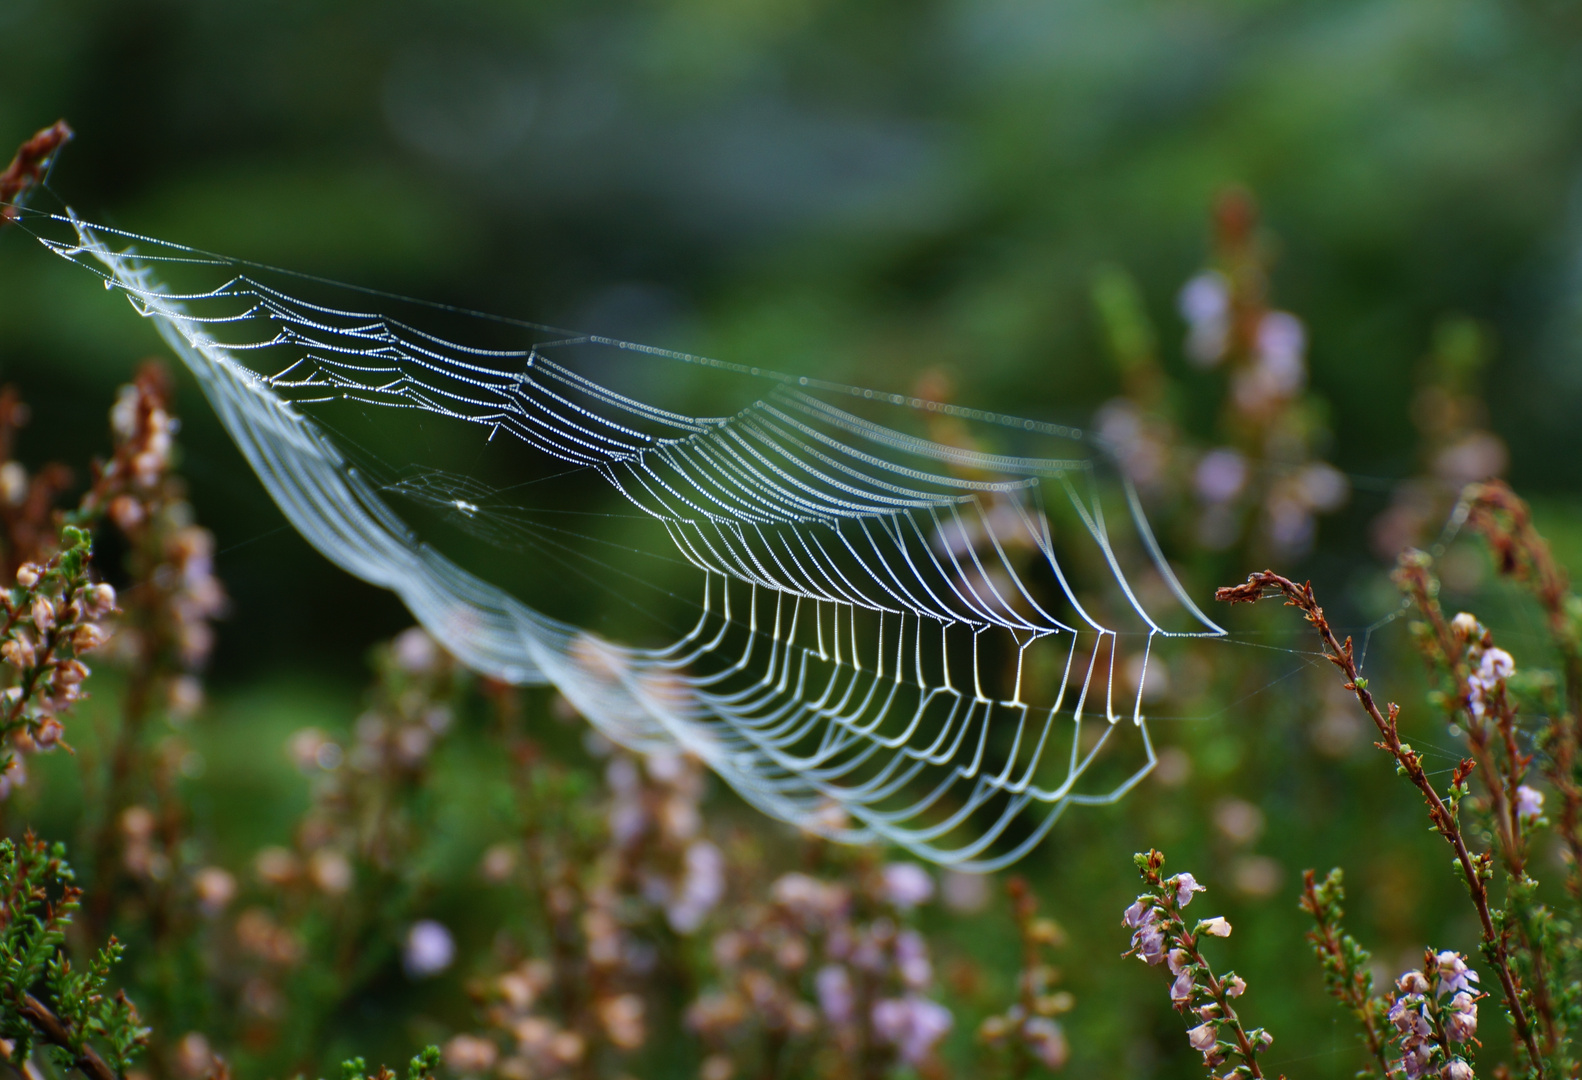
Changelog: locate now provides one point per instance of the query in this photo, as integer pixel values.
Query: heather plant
(614, 914)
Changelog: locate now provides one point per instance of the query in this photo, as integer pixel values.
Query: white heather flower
(1454, 975)
(27, 575)
(1186, 885)
(470, 1055)
(414, 651)
(429, 949)
(1529, 803)
(1464, 626)
(1217, 927)
(215, 889)
(835, 995)
(1496, 664)
(906, 885)
(1203, 1036)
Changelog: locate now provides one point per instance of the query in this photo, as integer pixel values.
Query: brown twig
(49, 1025)
(1476, 869)
(27, 168)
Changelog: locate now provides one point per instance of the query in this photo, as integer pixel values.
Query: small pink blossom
(835, 995)
(906, 885)
(1461, 1023)
(1529, 803)
(1216, 927)
(1186, 885)
(913, 1025)
(1141, 913)
(1181, 990)
(1204, 1036)
(429, 949)
(1454, 975)
(1235, 986)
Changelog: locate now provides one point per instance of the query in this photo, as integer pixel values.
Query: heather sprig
(1027, 1033)
(47, 1001)
(1163, 935)
(1345, 962)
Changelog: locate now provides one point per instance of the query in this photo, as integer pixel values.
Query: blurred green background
(866, 191)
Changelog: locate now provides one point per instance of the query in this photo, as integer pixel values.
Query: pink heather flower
(1150, 943)
(429, 949)
(1047, 1042)
(1529, 803)
(835, 995)
(907, 885)
(913, 1025)
(1205, 304)
(1178, 961)
(1458, 1070)
(1418, 1060)
(911, 960)
(1405, 1016)
(1235, 986)
(1217, 927)
(1462, 1022)
(1204, 1036)
(1181, 989)
(1220, 475)
(702, 887)
(1186, 885)
(1454, 975)
(1140, 913)
(1412, 982)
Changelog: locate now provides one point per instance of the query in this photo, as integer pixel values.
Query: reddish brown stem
(27, 168)
(1474, 868)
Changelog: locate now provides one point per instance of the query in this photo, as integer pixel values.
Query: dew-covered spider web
(875, 617)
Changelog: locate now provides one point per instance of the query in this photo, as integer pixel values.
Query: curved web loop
(885, 642)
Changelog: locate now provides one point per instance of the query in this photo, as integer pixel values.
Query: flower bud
(70, 673)
(98, 600)
(48, 734)
(88, 637)
(1464, 626)
(27, 575)
(18, 652)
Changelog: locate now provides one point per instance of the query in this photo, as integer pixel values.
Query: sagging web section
(886, 643)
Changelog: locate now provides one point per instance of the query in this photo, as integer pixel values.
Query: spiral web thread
(851, 573)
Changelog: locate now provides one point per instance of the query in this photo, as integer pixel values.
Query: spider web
(862, 619)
